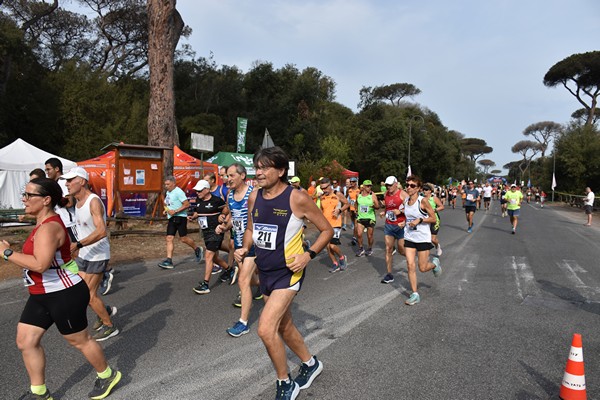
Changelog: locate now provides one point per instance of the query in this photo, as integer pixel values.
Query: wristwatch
(79, 245)
(7, 253)
(312, 253)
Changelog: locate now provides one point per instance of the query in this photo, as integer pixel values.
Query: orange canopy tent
(186, 169)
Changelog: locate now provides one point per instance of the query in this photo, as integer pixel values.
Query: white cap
(201, 184)
(76, 172)
(513, 185)
(390, 180)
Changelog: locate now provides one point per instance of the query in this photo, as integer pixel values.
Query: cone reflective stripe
(573, 383)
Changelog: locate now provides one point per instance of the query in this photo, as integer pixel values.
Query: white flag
(409, 173)
(553, 181)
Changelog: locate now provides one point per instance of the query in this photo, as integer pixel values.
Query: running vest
(421, 233)
(352, 195)
(277, 232)
(365, 207)
(434, 206)
(328, 204)
(55, 278)
(100, 250)
(239, 216)
(394, 202)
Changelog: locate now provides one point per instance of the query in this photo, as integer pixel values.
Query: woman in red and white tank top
(57, 294)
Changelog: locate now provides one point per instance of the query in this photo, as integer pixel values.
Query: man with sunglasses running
(333, 204)
(395, 220)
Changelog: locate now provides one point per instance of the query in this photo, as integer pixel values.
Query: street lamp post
(410, 120)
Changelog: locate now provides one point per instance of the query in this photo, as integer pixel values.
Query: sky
(479, 64)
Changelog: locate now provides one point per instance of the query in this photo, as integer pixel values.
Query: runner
(417, 236)
(333, 204)
(513, 198)
(443, 195)
(295, 182)
(453, 195)
(275, 227)
(437, 206)
(470, 203)
(367, 204)
(352, 195)
(394, 223)
(503, 201)
(237, 200)
(345, 214)
(487, 196)
(209, 208)
(542, 199)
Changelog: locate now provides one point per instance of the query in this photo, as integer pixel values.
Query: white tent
(17, 160)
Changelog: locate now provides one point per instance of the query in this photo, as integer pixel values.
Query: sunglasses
(27, 195)
(426, 189)
(412, 185)
(325, 187)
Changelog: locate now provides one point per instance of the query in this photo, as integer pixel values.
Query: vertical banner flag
(242, 124)
(409, 172)
(553, 181)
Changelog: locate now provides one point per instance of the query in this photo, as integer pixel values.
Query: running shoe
(226, 275)
(344, 228)
(437, 271)
(470, 230)
(238, 301)
(257, 294)
(103, 387)
(307, 374)
(394, 251)
(343, 263)
(514, 231)
(360, 252)
(354, 241)
(31, 396)
(369, 252)
(202, 288)
(166, 264)
(105, 332)
(106, 283)
(238, 329)
(388, 278)
(413, 299)
(439, 250)
(111, 312)
(216, 270)
(336, 268)
(199, 253)
(287, 391)
(234, 274)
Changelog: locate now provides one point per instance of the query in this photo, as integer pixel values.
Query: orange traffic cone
(573, 383)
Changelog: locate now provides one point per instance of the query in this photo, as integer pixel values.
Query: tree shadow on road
(546, 384)
(132, 341)
(571, 296)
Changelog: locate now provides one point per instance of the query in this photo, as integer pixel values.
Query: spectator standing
(588, 205)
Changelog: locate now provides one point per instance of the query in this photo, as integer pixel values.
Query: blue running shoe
(413, 299)
(106, 283)
(470, 230)
(238, 329)
(307, 374)
(437, 271)
(287, 391)
(166, 264)
(343, 263)
(202, 288)
(388, 278)
(199, 253)
(369, 252)
(216, 270)
(360, 252)
(336, 268)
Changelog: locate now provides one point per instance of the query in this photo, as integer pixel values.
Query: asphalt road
(497, 324)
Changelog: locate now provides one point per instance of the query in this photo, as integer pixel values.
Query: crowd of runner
(252, 233)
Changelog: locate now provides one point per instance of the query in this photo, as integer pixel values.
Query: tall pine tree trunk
(165, 26)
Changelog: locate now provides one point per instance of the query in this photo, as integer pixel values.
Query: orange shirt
(328, 204)
(352, 196)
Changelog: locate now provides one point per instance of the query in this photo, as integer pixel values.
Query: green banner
(242, 124)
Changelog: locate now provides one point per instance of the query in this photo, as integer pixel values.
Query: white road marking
(470, 264)
(571, 269)
(524, 277)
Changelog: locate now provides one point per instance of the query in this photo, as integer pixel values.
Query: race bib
(337, 232)
(27, 281)
(390, 216)
(352, 202)
(203, 222)
(238, 226)
(513, 201)
(363, 209)
(470, 197)
(265, 236)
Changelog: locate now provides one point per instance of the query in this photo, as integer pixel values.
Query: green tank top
(434, 206)
(365, 207)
